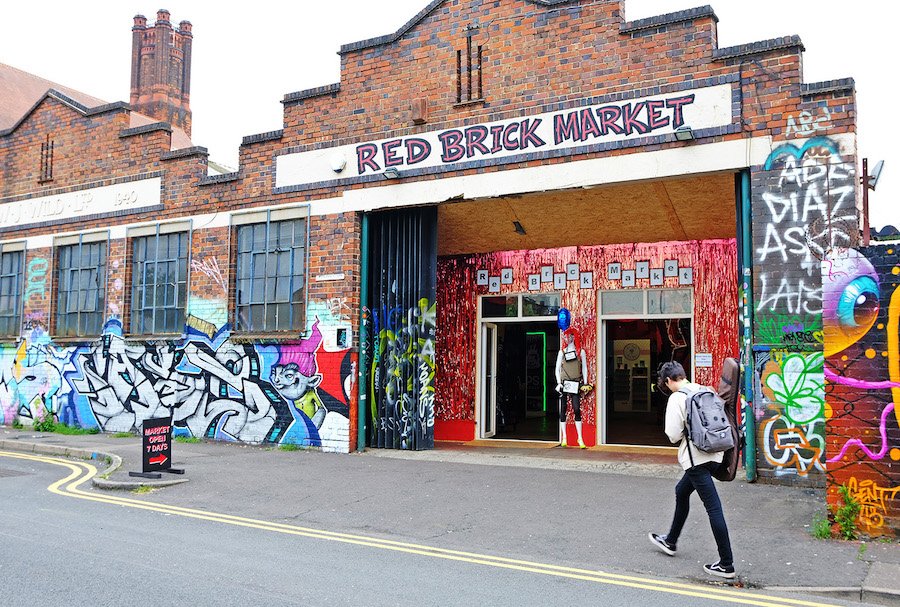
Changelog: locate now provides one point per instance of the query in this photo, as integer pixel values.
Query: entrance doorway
(635, 408)
(526, 395)
(519, 340)
(639, 329)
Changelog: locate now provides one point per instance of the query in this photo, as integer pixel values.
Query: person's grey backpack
(708, 427)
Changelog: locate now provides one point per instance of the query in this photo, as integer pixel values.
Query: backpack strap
(687, 430)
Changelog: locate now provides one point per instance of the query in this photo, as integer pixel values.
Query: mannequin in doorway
(571, 373)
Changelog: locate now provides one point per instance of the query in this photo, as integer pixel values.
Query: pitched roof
(20, 91)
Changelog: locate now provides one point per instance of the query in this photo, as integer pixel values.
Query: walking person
(698, 468)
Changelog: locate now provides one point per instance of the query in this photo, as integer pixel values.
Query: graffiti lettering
(790, 297)
(807, 206)
(36, 281)
(209, 266)
(873, 502)
(807, 124)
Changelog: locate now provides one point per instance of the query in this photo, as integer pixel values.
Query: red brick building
(388, 268)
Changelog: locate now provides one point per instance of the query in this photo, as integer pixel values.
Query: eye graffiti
(857, 307)
(851, 300)
(851, 304)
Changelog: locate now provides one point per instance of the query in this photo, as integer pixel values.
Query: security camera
(875, 174)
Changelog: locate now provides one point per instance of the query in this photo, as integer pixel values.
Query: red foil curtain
(715, 327)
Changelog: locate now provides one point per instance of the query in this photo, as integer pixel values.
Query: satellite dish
(875, 174)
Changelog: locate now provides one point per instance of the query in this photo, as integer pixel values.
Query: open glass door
(488, 380)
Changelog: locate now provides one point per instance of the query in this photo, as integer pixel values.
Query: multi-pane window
(270, 276)
(159, 283)
(81, 288)
(11, 271)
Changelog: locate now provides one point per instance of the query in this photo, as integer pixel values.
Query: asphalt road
(72, 546)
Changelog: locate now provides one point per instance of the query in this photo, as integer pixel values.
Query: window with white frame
(12, 262)
(81, 285)
(159, 280)
(647, 302)
(270, 273)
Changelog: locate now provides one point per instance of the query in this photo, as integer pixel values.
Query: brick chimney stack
(161, 70)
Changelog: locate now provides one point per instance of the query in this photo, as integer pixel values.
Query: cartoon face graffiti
(291, 383)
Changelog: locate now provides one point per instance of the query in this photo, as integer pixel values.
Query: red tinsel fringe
(715, 326)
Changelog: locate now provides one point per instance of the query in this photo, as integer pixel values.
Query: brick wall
(536, 58)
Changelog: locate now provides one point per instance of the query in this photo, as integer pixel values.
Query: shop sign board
(120, 198)
(583, 124)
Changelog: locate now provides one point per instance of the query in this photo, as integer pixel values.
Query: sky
(248, 55)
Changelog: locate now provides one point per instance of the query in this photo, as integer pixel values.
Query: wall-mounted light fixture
(684, 133)
(338, 163)
(519, 228)
(391, 173)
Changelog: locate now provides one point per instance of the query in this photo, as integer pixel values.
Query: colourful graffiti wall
(804, 206)
(789, 407)
(299, 392)
(862, 366)
(714, 282)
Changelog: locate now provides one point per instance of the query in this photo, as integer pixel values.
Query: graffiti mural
(861, 318)
(805, 207)
(403, 370)
(211, 386)
(790, 413)
(31, 379)
(401, 320)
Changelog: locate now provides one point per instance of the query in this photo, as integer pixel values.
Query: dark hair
(670, 370)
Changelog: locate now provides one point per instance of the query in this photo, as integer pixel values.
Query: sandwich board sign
(156, 448)
(157, 444)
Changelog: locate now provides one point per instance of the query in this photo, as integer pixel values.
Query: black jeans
(699, 478)
(563, 405)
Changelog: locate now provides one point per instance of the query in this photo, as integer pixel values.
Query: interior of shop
(635, 408)
(526, 383)
(677, 209)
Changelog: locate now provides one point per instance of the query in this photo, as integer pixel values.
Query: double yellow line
(82, 472)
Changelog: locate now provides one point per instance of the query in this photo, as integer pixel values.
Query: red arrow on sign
(159, 459)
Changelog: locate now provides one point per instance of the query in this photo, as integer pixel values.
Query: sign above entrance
(643, 271)
(587, 124)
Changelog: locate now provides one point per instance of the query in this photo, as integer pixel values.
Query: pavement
(582, 508)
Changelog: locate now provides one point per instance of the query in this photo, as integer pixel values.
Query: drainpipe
(363, 382)
(748, 415)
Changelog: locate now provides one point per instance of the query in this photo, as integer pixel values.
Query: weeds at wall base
(291, 447)
(841, 521)
(821, 527)
(846, 514)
